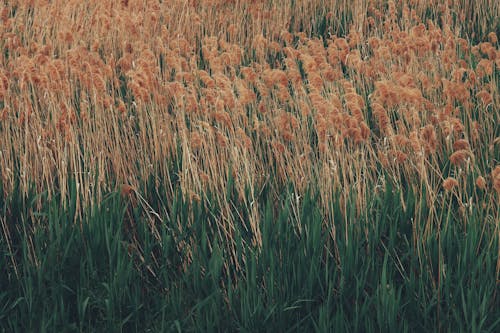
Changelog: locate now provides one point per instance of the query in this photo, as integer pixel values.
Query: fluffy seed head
(450, 183)
(126, 190)
(495, 175)
(459, 157)
(481, 182)
(461, 144)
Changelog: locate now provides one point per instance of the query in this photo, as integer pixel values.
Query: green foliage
(170, 266)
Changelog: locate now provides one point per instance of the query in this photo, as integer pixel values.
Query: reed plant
(249, 165)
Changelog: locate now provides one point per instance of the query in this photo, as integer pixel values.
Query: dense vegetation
(249, 165)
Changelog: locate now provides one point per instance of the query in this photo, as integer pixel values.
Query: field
(210, 165)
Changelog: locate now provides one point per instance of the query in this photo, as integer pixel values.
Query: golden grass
(108, 92)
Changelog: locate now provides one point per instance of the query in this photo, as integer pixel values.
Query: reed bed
(234, 107)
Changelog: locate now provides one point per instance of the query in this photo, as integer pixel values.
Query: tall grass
(350, 88)
(302, 165)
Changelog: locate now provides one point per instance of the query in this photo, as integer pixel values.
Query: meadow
(210, 165)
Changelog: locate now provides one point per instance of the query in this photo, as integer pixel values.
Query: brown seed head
(449, 183)
(495, 175)
(196, 140)
(485, 97)
(126, 190)
(459, 157)
(430, 139)
(481, 182)
(461, 144)
(493, 37)
(222, 140)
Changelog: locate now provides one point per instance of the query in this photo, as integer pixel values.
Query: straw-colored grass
(230, 102)
(109, 92)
